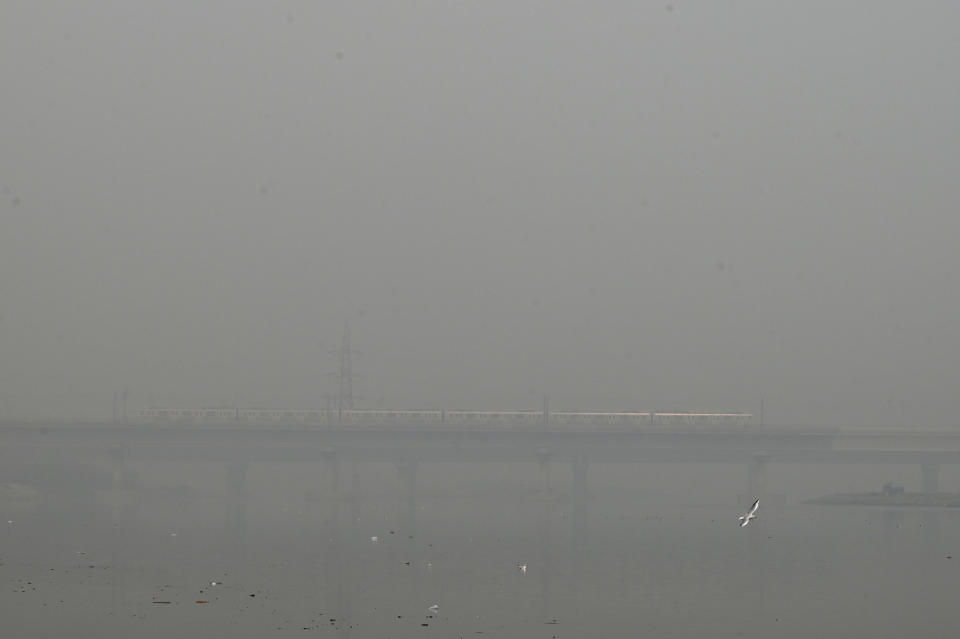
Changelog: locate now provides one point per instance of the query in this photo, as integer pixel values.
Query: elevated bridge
(409, 446)
(431, 443)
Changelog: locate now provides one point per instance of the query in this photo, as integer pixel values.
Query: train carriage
(264, 416)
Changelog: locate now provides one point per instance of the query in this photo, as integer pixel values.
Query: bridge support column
(930, 477)
(236, 509)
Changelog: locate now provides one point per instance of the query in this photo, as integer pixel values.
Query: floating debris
(162, 602)
(374, 539)
(201, 601)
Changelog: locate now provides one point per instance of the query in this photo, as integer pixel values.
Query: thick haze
(627, 205)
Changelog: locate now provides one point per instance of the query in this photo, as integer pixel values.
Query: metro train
(262, 416)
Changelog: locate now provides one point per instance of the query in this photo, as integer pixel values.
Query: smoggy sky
(626, 205)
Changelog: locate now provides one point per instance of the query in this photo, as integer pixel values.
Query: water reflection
(101, 542)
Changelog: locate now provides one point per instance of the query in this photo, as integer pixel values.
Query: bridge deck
(447, 444)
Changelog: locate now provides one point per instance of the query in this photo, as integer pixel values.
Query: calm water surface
(89, 549)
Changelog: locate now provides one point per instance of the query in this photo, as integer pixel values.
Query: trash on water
(374, 539)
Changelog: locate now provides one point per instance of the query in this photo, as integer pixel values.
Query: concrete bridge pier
(235, 512)
(408, 478)
(930, 477)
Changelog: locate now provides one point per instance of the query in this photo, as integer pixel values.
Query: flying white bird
(434, 609)
(745, 519)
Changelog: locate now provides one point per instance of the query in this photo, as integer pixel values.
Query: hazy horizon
(624, 205)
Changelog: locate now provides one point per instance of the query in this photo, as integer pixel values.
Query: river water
(298, 549)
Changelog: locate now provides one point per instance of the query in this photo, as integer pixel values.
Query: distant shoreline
(939, 500)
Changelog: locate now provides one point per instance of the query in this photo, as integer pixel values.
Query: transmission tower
(345, 374)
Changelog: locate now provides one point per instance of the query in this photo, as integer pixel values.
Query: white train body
(562, 417)
(264, 416)
(702, 418)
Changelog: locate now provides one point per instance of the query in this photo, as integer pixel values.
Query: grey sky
(625, 204)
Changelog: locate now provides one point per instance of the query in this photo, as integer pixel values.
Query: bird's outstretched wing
(753, 508)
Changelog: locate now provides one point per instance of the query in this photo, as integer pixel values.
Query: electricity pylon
(345, 374)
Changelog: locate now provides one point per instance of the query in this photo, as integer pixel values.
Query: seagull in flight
(745, 519)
